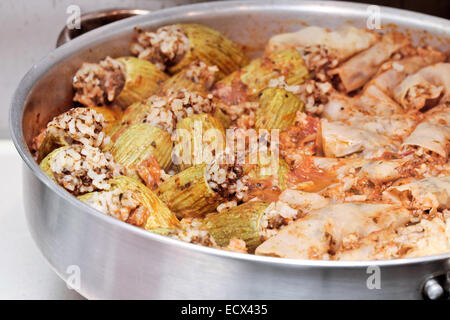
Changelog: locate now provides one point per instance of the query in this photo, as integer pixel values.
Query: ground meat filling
(226, 178)
(423, 95)
(166, 110)
(98, 84)
(200, 72)
(193, 230)
(314, 93)
(244, 113)
(276, 217)
(164, 48)
(427, 157)
(121, 205)
(318, 60)
(158, 115)
(80, 126)
(185, 103)
(81, 169)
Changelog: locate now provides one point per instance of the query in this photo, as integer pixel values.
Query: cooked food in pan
(334, 144)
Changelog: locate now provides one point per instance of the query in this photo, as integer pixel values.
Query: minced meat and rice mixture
(98, 84)
(119, 204)
(80, 125)
(227, 179)
(198, 71)
(163, 48)
(82, 168)
(164, 111)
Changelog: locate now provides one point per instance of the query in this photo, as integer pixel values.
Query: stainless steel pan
(116, 260)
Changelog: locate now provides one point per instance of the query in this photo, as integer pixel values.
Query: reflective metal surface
(93, 20)
(117, 260)
(24, 274)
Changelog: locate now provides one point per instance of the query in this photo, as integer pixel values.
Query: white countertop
(24, 273)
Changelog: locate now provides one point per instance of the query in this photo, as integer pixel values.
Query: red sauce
(150, 172)
(295, 137)
(232, 94)
(263, 189)
(307, 171)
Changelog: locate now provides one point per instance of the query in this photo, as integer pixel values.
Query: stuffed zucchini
(176, 46)
(140, 142)
(132, 202)
(121, 81)
(277, 109)
(246, 83)
(241, 222)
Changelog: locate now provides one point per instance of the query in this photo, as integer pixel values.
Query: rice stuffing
(164, 47)
(192, 230)
(119, 204)
(318, 60)
(226, 177)
(277, 215)
(80, 126)
(81, 169)
(98, 84)
(158, 115)
(199, 71)
(166, 110)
